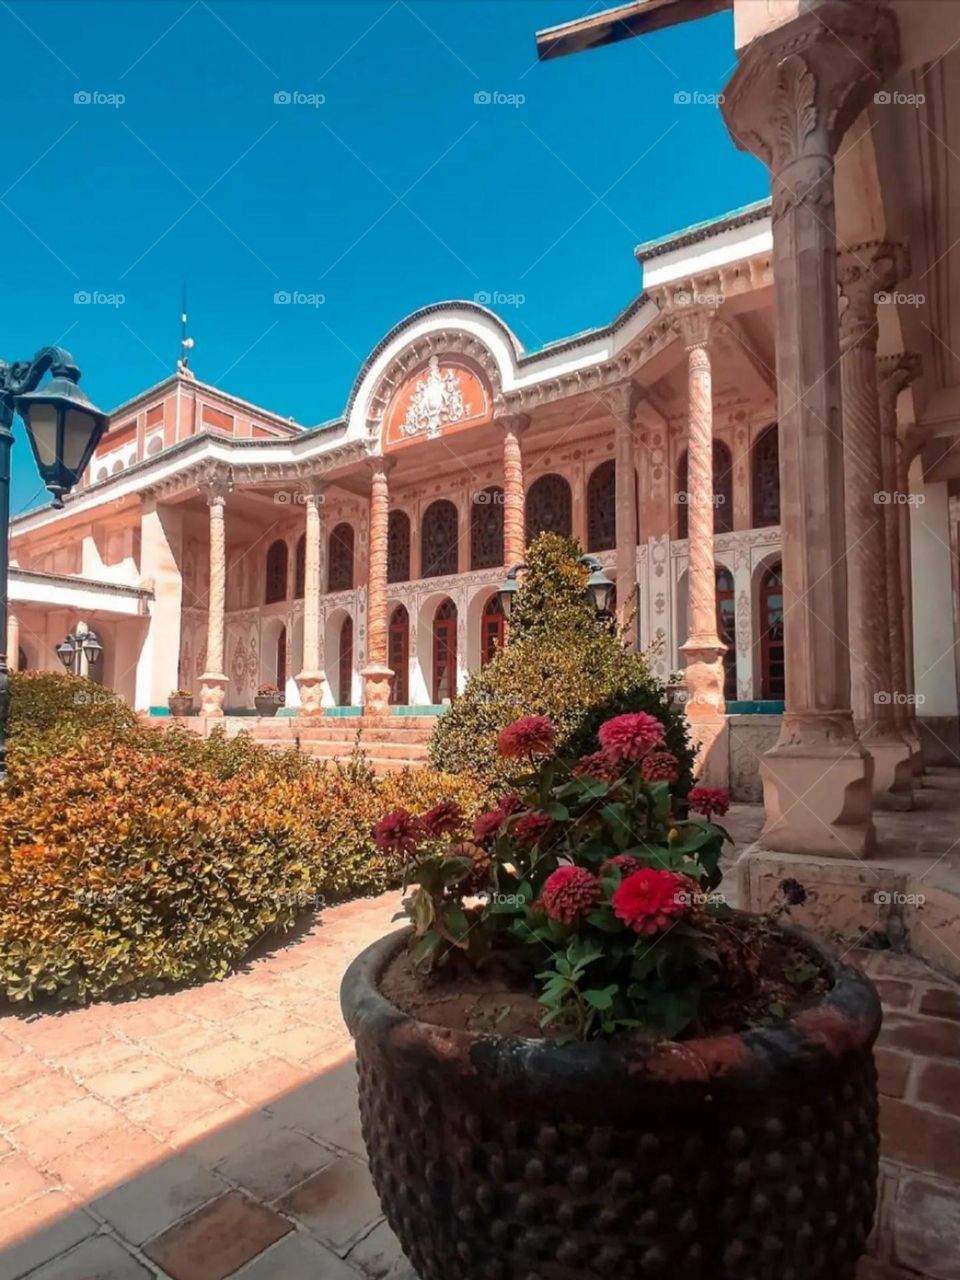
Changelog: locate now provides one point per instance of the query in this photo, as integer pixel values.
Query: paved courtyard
(214, 1131)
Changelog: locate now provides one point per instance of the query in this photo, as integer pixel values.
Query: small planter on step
(180, 702)
(268, 700)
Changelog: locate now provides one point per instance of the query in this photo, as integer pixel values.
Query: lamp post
(63, 428)
(81, 643)
(599, 587)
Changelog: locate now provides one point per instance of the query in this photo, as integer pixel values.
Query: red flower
(530, 828)
(488, 824)
(661, 766)
(599, 765)
(708, 801)
(569, 893)
(510, 803)
(630, 736)
(444, 819)
(648, 901)
(531, 735)
(398, 832)
(625, 861)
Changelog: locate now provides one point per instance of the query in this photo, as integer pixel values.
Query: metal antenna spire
(186, 343)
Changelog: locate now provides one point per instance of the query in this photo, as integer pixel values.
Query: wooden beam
(637, 18)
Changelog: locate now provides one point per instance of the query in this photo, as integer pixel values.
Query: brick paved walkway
(214, 1132)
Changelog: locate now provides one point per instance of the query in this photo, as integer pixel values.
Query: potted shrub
(578, 1061)
(180, 702)
(268, 700)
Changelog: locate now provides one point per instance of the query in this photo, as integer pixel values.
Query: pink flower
(649, 901)
(488, 824)
(398, 832)
(569, 893)
(625, 861)
(630, 736)
(531, 735)
(510, 803)
(444, 819)
(531, 828)
(708, 801)
(599, 765)
(660, 766)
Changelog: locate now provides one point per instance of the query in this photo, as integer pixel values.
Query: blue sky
(398, 190)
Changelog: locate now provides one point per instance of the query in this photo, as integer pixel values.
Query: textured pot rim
(845, 1022)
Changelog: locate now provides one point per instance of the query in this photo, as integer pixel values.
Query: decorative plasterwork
(240, 473)
(449, 342)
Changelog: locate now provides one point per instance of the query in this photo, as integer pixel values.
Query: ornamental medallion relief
(437, 400)
(440, 397)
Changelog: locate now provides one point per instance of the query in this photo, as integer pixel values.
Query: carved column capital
(620, 400)
(513, 423)
(865, 274)
(697, 327)
(380, 467)
(798, 89)
(894, 374)
(215, 484)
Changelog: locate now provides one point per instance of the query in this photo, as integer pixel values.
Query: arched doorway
(727, 631)
(491, 629)
(398, 656)
(772, 669)
(282, 659)
(444, 653)
(345, 666)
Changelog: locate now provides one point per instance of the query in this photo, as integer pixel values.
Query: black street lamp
(64, 428)
(599, 587)
(83, 642)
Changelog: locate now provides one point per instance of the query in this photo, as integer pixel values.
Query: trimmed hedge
(560, 661)
(132, 856)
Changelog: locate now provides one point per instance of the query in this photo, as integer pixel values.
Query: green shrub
(561, 661)
(132, 856)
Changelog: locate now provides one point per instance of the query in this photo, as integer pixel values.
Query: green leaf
(601, 998)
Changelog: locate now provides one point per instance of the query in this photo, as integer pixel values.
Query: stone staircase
(388, 742)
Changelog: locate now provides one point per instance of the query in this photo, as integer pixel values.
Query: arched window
(766, 477)
(549, 507)
(398, 656)
(438, 539)
(722, 490)
(486, 529)
(445, 653)
(772, 671)
(276, 587)
(340, 562)
(398, 547)
(491, 629)
(345, 664)
(300, 568)
(602, 507)
(727, 631)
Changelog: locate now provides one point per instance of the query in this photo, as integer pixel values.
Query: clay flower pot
(749, 1156)
(180, 706)
(268, 704)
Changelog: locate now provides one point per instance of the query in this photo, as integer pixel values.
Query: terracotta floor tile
(269, 1168)
(133, 1076)
(298, 1257)
(99, 1258)
(272, 1078)
(217, 1239)
(18, 1070)
(35, 1097)
(223, 1059)
(65, 1128)
(109, 1160)
(33, 1233)
(337, 1205)
(19, 1181)
(153, 1200)
(166, 1109)
(379, 1256)
(106, 1055)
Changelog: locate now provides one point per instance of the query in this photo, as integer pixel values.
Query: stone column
(621, 401)
(13, 642)
(376, 674)
(213, 682)
(513, 426)
(311, 679)
(794, 95)
(864, 271)
(894, 374)
(703, 649)
(161, 558)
